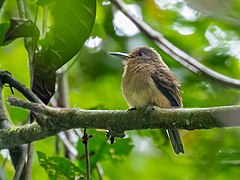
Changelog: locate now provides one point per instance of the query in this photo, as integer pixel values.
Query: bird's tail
(175, 140)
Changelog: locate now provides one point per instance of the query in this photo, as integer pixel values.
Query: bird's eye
(141, 53)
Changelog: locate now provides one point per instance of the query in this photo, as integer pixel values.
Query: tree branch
(17, 153)
(173, 51)
(62, 119)
(6, 78)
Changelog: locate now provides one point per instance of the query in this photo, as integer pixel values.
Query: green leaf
(3, 31)
(73, 23)
(21, 28)
(44, 2)
(58, 167)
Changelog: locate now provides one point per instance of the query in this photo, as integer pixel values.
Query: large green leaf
(73, 23)
(58, 167)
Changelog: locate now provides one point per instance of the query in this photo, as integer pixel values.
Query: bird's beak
(119, 54)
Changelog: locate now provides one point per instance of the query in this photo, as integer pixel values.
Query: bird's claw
(110, 135)
(131, 109)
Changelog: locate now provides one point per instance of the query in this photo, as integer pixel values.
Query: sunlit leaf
(58, 167)
(73, 22)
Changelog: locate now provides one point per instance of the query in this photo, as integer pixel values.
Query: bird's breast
(139, 89)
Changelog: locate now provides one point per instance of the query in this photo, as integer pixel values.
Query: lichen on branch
(54, 120)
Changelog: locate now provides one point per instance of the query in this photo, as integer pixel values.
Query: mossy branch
(54, 120)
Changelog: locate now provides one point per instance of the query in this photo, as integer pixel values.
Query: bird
(147, 81)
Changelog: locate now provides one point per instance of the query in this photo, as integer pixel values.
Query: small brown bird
(147, 80)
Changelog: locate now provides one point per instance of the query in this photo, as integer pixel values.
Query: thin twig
(21, 9)
(6, 78)
(62, 101)
(85, 140)
(68, 144)
(173, 51)
(27, 16)
(57, 148)
(99, 171)
(70, 152)
(29, 161)
(19, 153)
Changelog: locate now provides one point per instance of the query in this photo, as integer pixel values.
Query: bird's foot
(111, 134)
(131, 109)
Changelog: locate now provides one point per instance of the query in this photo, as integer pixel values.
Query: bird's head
(139, 55)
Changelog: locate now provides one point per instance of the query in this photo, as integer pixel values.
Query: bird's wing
(167, 83)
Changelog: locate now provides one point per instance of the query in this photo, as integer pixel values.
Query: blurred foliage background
(208, 31)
